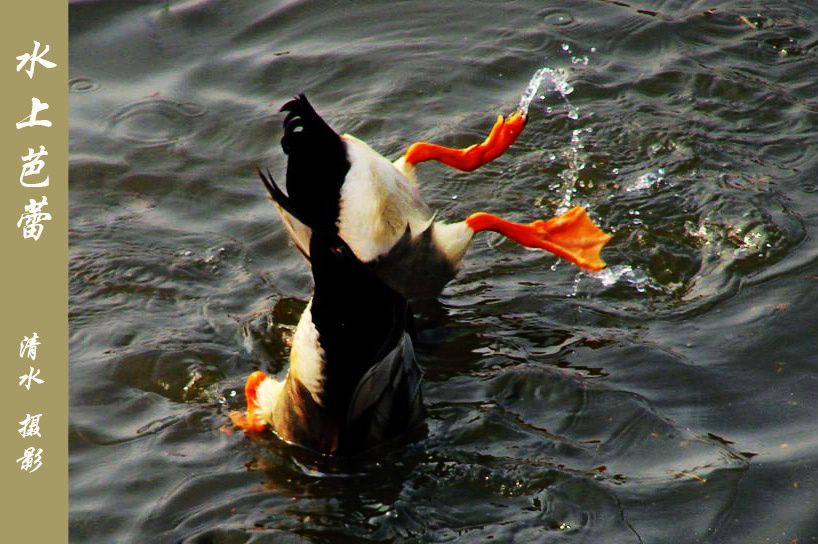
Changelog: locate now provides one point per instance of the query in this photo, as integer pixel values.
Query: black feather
(317, 165)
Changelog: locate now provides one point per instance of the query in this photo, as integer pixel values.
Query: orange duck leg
(572, 235)
(502, 135)
(248, 421)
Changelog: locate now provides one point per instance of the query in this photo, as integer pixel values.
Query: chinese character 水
(30, 426)
(28, 346)
(30, 377)
(34, 57)
(33, 228)
(32, 165)
(31, 120)
(31, 460)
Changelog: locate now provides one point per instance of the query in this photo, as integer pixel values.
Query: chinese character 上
(32, 227)
(28, 346)
(30, 377)
(32, 165)
(31, 120)
(31, 460)
(30, 426)
(33, 58)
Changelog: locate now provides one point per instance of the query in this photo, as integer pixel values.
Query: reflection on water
(668, 398)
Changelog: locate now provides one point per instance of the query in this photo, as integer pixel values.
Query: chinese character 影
(31, 460)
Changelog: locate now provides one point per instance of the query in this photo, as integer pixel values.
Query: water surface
(670, 398)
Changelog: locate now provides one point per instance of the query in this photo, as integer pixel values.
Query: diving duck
(353, 381)
(338, 182)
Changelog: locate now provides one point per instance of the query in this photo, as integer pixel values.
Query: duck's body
(373, 243)
(353, 381)
(380, 213)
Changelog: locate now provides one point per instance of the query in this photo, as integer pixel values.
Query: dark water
(669, 399)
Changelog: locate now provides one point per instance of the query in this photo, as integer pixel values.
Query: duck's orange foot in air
(572, 235)
(502, 135)
(249, 421)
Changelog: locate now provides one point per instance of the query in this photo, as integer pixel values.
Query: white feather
(299, 232)
(307, 356)
(407, 169)
(377, 203)
(267, 395)
(453, 240)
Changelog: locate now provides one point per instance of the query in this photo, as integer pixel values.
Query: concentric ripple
(155, 121)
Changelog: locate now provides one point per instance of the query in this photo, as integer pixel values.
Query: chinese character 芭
(31, 120)
(32, 227)
(30, 426)
(31, 460)
(30, 377)
(33, 58)
(28, 346)
(32, 165)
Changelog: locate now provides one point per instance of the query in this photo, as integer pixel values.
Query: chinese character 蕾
(28, 346)
(32, 227)
(31, 460)
(31, 120)
(32, 165)
(33, 58)
(30, 377)
(30, 426)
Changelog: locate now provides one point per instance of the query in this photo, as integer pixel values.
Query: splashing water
(558, 80)
(647, 180)
(531, 90)
(554, 79)
(618, 274)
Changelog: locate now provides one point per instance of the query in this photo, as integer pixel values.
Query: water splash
(618, 274)
(576, 158)
(552, 80)
(647, 180)
(531, 91)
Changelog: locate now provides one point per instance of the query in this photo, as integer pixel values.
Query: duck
(353, 382)
(340, 183)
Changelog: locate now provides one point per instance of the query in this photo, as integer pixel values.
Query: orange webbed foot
(572, 235)
(249, 420)
(502, 135)
(246, 422)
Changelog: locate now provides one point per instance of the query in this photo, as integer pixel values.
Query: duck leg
(502, 135)
(572, 235)
(249, 421)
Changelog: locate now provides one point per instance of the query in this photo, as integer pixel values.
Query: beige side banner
(34, 231)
